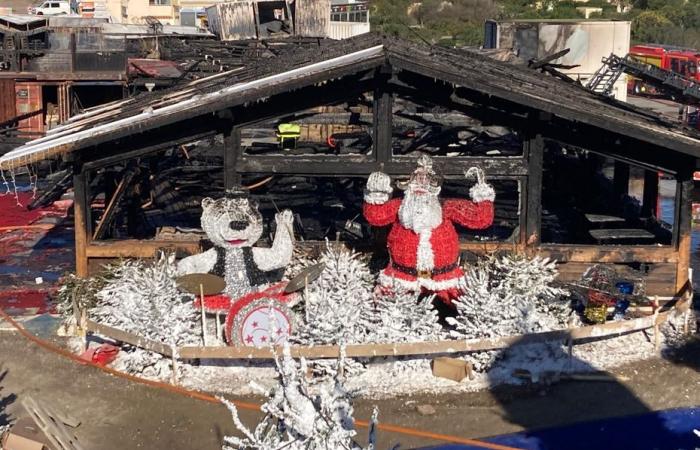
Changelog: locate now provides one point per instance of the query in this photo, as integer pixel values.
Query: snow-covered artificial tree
(508, 295)
(404, 317)
(337, 306)
(143, 298)
(296, 419)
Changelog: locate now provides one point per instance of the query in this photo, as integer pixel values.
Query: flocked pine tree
(296, 419)
(144, 299)
(508, 295)
(404, 317)
(337, 306)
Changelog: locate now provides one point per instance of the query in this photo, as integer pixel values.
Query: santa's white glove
(378, 188)
(481, 191)
(285, 218)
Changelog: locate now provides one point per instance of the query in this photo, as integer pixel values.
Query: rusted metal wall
(312, 17)
(7, 103)
(29, 99)
(232, 21)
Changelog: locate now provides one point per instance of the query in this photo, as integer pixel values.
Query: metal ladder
(605, 78)
(670, 82)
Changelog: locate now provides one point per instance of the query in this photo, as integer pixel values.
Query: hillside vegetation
(461, 22)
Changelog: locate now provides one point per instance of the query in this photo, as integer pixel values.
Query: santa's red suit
(441, 272)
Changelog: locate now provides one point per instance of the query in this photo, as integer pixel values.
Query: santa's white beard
(420, 213)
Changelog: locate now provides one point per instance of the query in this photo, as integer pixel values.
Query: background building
(589, 41)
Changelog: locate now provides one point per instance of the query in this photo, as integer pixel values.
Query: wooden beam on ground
(81, 215)
(108, 214)
(128, 338)
(533, 209)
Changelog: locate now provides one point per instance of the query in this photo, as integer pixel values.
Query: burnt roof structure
(522, 97)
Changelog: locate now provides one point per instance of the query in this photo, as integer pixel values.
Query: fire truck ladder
(670, 82)
(605, 78)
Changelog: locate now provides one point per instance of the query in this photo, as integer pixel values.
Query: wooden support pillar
(383, 119)
(621, 180)
(684, 219)
(114, 200)
(232, 153)
(651, 193)
(81, 215)
(533, 208)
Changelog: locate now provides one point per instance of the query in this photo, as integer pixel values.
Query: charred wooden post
(114, 200)
(81, 215)
(621, 179)
(684, 217)
(382, 118)
(232, 153)
(651, 193)
(533, 208)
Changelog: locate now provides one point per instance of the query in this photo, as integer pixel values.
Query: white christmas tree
(404, 317)
(144, 299)
(508, 295)
(297, 420)
(337, 306)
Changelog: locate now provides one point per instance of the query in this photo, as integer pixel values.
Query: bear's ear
(207, 202)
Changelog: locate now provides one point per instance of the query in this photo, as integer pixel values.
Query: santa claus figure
(423, 243)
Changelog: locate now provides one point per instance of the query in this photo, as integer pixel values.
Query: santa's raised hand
(481, 191)
(378, 188)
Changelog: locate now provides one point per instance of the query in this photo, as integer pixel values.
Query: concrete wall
(138, 10)
(589, 42)
(344, 30)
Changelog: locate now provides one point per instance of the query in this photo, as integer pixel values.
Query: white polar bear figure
(233, 224)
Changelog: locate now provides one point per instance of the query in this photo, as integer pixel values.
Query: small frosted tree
(295, 419)
(337, 305)
(144, 299)
(508, 295)
(404, 317)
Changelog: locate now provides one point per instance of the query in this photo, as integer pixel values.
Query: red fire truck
(683, 61)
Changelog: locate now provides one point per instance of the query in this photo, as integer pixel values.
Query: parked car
(51, 8)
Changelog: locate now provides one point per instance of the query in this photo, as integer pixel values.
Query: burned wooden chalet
(304, 128)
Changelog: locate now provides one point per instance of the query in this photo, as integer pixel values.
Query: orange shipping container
(28, 99)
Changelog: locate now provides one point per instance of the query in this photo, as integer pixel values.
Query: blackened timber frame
(81, 214)
(232, 152)
(683, 226)
(533, 203)
(382, 116)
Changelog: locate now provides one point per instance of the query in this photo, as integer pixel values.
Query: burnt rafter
(491, 110)
(332, 92)
(147, 143)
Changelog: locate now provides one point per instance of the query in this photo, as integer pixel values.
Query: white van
(51, 8)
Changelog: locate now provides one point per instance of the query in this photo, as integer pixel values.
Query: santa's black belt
(424, 273)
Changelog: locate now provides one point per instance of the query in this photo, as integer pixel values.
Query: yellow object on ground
(288, 131)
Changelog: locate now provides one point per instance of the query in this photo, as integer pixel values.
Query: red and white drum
(260, 318)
